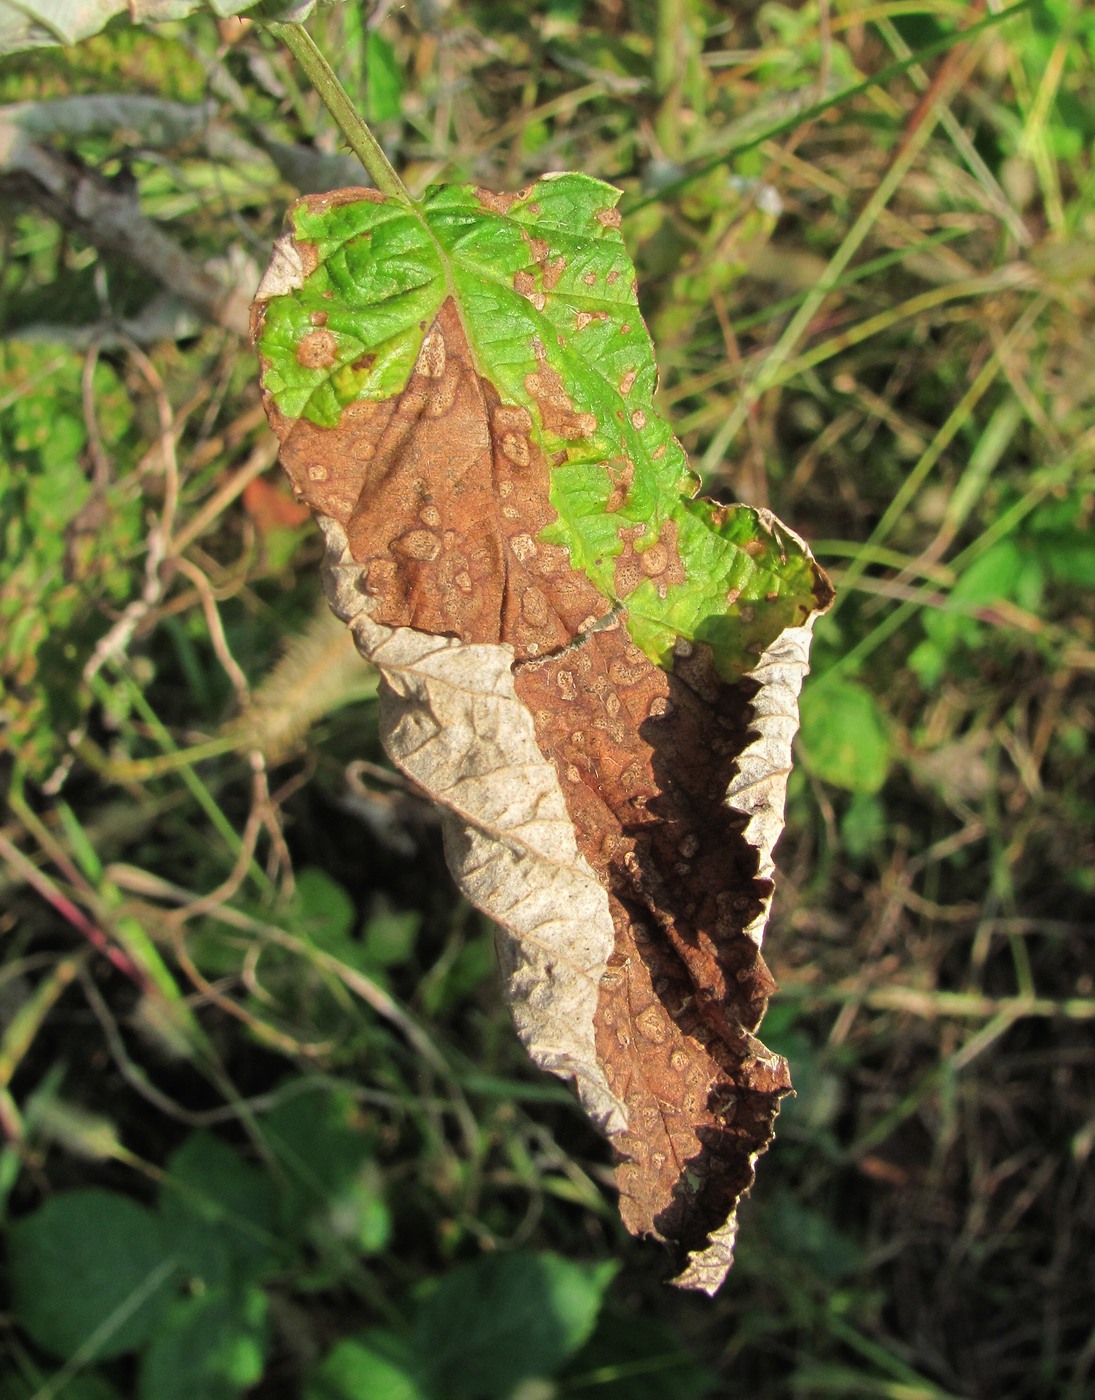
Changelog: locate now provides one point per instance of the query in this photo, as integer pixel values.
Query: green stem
(337, 101)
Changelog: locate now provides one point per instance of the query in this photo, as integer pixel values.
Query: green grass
(249, 1035)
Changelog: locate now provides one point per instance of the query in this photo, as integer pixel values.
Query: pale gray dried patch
(286, 270)
(451, 720)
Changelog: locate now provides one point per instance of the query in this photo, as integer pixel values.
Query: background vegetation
(266, 1126)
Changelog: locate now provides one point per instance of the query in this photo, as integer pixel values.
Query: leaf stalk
(337, 101)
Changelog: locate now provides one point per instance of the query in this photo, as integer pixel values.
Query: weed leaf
(88, 1273)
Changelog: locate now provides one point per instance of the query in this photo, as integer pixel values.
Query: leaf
(1008, 572)
(212, 1344)
(506, 1318)
(376, 1364)
(485, 1328)
(332, 1191)
(383, 80)
(845, 739)
(87, 1273)
(218, 1213)
(592, 672)
(65, 549)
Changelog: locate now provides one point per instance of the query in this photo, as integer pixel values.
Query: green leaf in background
(211, 1345)
(390, 936)
(88, 1273)
(1061, 534)
(544, 292)
(504, 1319)
(218, 1214)
(1008, 572)
(377, 1364)
(486, 1328)
(65, 545)
(333, 1195)
(808, 1237)
(624, 1362)
(844, 738)
(383, 80)
(324, 912)
(863, 826)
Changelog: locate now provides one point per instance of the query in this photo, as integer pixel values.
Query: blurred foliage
(265, 1128)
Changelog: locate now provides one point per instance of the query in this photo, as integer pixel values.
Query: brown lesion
(659, 560)
(524, 284)
(621, 473)
(317, 350)
(502, 203)
(557, 410)
(550, 269)
(644, 759)
(443, 493)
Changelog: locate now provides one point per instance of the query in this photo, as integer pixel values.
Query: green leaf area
(488, 1328)
(544, 287)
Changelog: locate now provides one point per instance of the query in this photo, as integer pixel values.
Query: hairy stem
(337, 101)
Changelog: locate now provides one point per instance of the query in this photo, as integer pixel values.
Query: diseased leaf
(594, 673)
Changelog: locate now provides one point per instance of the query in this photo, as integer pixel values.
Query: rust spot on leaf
(609, 218)
(550, 269)
(496, 203)
(553, 271)
(525, 285)
(557, 412)
(628, 573)
(659, 561)
(622, 475)
(317, 350)
(421, 545)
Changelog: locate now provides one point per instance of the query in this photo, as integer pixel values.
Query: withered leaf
(594, 673)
